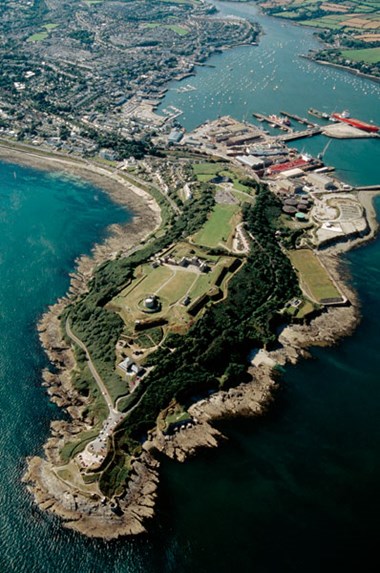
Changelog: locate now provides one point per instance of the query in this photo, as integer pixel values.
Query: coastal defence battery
(150, 304)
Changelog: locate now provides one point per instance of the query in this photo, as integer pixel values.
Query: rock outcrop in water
(93, 515)
(246, 400)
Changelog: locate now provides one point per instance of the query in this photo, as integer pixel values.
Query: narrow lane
(94, 372)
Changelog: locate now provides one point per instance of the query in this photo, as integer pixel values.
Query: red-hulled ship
(279, 167)
(369, 127)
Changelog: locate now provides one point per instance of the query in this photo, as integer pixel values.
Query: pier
(368, 188)
(301, 120)
(318, 114)
(262, 117)
(300, 134)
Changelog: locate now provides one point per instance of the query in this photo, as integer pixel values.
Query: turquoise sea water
(296, 491)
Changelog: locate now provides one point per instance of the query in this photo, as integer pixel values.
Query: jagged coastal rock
(93, 515)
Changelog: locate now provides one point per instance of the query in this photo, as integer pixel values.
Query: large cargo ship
(369, 127)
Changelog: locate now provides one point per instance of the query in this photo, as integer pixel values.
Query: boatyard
(313, 199)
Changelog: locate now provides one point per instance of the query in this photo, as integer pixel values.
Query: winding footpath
(94, 372)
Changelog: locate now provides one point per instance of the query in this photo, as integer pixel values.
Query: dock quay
(270, 120)
(301, 120)
(317, 113)
(368, 188)
(300, 134)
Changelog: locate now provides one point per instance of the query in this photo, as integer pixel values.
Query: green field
(368, 55)
(206, 171)
(180, 30)
(50, 26)
(330, 22)
(219, 227)
(309, 14)
(314, 279)
(38, 37)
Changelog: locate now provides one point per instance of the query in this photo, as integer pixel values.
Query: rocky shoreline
(88, 512)
(91, 515)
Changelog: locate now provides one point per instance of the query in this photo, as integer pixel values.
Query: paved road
(139, 181)
(113, 412)
(96, 450)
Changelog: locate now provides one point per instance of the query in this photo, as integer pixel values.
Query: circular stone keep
(151, 303)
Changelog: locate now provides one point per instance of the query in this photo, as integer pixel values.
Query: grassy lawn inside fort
(172, 283)
(220, 226)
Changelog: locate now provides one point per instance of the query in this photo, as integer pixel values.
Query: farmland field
(353, 15)
(314, 279)
(368, 55)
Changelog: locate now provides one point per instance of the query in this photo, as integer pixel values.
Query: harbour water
(272, 77)
(294, 491)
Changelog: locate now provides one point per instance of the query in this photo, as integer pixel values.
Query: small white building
(126, 364)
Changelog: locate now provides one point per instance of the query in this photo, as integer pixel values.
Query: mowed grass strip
(218, 227)
(313, 276)
(178, 286)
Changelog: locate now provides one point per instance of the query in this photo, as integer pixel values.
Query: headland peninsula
(161, 338)
(173, 323)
